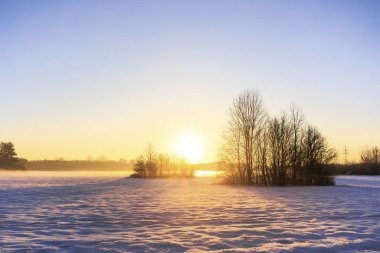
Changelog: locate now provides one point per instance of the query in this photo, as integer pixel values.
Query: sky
(82, 79)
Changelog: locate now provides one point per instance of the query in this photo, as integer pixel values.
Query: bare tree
(296, 121)
(163, 161)
(151, 161)
(139, 167)
(247, 115)
(285, 134)
(371, 155)
(317, 155)
(230, 154)
(279, 149)
(262, 154)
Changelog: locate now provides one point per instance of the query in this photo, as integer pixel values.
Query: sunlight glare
(189, 145)
(208, 173)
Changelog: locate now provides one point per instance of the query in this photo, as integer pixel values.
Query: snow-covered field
(110, 214)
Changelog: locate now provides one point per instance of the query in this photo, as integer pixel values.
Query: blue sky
(82, 78)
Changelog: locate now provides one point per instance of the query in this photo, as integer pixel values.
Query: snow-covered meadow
(46, 213)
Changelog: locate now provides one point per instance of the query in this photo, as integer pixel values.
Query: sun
(189, 145)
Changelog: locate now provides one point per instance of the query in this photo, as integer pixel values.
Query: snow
(111, 214)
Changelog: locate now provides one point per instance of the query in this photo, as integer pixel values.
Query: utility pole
(345, 153)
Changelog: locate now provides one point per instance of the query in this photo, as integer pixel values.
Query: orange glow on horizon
(208, 173)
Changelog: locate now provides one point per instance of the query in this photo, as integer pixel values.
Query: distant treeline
(8, 157)
(265, 150)
(369, 165)
(151, 164)
(88, 165)
(79, 165)
(356, 169)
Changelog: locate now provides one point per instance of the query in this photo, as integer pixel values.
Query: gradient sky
(91, 78)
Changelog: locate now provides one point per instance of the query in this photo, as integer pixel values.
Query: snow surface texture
(103, 214)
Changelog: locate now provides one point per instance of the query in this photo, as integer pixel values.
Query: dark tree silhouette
(279, 149)
(296, 121)
(8, 157)
(317, 157)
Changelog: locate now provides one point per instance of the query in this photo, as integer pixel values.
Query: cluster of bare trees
(264, 150)
(371, 155)
(152, 164)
